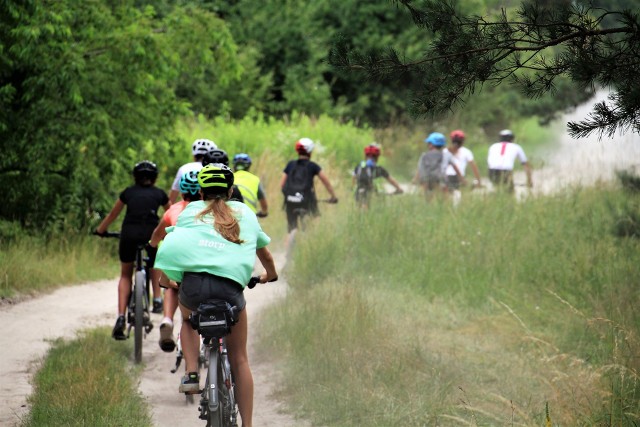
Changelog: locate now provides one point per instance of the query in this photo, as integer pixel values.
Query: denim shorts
(198, 287)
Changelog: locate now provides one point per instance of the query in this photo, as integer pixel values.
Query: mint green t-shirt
(193, 245)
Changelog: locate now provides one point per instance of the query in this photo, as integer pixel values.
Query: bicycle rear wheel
(226, 397)
(138, 289)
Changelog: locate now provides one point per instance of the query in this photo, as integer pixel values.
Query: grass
(415, 314)
(32, 264)
(87, 382)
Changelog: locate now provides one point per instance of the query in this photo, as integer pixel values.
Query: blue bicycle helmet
(189, 183)
(242, 161)
(436, 139)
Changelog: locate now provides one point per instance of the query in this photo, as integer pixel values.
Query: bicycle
(138, 316)
(213, 320)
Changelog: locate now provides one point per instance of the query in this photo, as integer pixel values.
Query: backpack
(430, 169)
(296, 188)
(364, 176)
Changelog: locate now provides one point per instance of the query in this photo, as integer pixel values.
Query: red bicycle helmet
(457, 136)
(372, 150)
(304, 146)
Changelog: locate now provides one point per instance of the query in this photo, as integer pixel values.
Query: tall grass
(87, 382)
(32, 264)
(416, 314)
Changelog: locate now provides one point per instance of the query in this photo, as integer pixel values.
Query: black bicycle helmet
(145, 169)
(215, 156)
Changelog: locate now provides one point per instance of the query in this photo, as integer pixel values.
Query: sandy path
(93, 304)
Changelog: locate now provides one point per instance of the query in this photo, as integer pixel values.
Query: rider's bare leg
(124, 286)
(190, 341)
(239, 358)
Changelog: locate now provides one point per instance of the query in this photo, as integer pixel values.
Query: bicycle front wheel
(138, 289)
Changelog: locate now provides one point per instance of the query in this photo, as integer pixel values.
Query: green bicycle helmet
(215, 178)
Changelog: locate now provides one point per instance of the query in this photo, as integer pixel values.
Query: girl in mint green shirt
(211, 250)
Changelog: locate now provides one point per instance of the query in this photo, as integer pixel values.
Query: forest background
(508, 324)
(87, 89)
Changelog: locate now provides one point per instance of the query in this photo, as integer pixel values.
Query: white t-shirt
(462, 157)
(187, 167)
(502, 155)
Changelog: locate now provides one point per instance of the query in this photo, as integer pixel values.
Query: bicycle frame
(138, 316)
(219, 383)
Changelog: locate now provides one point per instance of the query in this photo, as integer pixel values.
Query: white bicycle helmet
(202, 147)
(304, 146)
(506, 135)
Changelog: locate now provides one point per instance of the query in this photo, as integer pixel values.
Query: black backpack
(296, 188)
(364, 176)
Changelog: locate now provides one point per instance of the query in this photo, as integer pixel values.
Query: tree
(84, 86)
(533, 48)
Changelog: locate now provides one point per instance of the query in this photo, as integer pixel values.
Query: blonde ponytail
(225, 222)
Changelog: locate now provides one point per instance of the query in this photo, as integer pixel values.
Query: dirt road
(31, 325)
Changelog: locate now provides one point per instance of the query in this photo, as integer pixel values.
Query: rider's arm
(173, 196)
(395, 184)
(455, 168)
(327, 184)
(283, 180)
(475, 170)
(158, 234)
(266, 259)
(106, 222)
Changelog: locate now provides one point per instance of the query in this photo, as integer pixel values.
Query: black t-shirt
(142, 205)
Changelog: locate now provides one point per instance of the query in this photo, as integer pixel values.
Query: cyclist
(211, 251)
(190, 189)
(366, 172)
(142, 201)
(501, 160)
(249, 185)
(432, 166)
(199, 148)
(462, 156)
(218, 156)
(297, 185)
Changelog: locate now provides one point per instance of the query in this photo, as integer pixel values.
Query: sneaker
(157, 306)
(190, 383)
(118, 329)
(167, 343)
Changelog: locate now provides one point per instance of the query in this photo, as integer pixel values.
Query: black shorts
(131, 237)
(503, 178)
(129, 247)
(296, 212)
(453, 182)
(198, 287)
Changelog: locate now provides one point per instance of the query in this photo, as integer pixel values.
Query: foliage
(34, 264)
(481, 314)
(87, 89)
(87, 382)
(532, 48)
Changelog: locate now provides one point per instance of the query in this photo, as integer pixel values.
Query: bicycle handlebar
(115, 234)
(255, 280)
